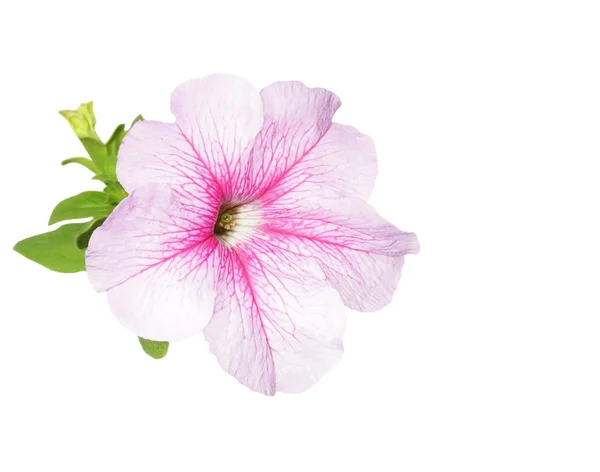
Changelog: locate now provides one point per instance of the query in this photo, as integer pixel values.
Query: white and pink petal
(155, 152)
(361, 254)
(156, 263)
(342, 164)
(220, 116)
(272, 329)
(295, 118)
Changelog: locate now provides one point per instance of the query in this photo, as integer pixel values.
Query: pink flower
(247, 219)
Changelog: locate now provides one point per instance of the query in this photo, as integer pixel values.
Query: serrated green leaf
(84, 161)
(55, 250)
(84, 205)
(82, 240)
(155, 349)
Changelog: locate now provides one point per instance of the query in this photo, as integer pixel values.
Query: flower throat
(225, 222)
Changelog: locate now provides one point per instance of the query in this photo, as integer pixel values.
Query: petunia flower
(247, 219)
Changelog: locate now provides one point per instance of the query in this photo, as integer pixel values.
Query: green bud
(83, 121)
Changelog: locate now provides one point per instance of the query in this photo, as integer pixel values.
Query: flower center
(236, 222)
(225, 222)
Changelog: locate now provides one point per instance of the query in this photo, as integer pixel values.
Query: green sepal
(84, 161)
(155, 349)
(82, 240)
(84, 205)
(55, 250)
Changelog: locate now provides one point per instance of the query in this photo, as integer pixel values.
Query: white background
(486, 116)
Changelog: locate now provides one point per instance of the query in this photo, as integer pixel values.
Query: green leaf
(114, 142)
(136, 119)
(103, 178)
(84, 161)
(96, 150)
(56, 249)
(115, 192)
(83, 239)
(156, 349)
(112, 148)
(84, 205)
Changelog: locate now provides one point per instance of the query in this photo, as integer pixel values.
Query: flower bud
(83, 121)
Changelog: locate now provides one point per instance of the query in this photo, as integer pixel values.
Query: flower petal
(272, 329)
(342, 164)
(295, 119)
(361, 254)
(160, 153)
(220, 115)
(156, 263)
